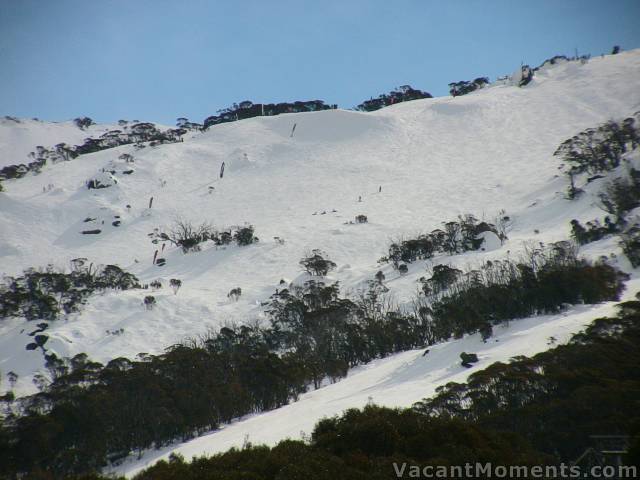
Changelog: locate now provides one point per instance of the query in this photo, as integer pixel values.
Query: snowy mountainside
(433, 159)
(19, 137)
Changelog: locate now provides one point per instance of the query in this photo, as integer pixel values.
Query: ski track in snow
(434, 158)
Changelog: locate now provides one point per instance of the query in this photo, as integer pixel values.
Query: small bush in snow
(175, 284)
(223, 238)
(468, 359)
(234, 294)
(149, 302)
(102, 180)
(244, 236)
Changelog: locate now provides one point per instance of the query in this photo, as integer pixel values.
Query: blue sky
(158, 60)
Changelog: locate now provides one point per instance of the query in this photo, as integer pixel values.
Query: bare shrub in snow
(188, 236)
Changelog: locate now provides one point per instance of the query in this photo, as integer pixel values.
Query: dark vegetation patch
(137, 133)
(455, 237)
(248, 109)
(402, 94)
(598, 150)
(542, 282)
(47, 293)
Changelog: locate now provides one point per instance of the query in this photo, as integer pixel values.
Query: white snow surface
(19, 137)
(434, 159)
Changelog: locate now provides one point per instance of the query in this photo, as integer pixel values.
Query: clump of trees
(185, 124)
(372, 443)
(455, 237)
(617, 197)
(83, 122)
(248, 109)
(403, 93)
(40, 157)
(600, 149)
(541, 282)
(136, 133)
(46, 293)
(464, 87)
(621, 195)
(327, 334)
(593, 230)
(315, 263)
(442, 277)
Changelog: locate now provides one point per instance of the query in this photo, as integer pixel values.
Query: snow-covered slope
(19, 137)
(433, 160)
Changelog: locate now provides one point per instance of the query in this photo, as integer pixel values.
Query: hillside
(408, 168)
